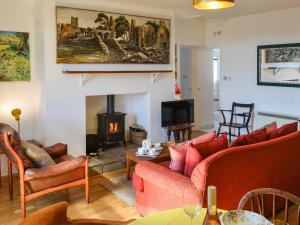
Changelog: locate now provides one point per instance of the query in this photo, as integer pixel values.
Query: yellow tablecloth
(171, 217)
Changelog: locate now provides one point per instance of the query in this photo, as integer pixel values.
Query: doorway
(199, 80)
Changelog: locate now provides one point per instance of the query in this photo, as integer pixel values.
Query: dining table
(172, 217)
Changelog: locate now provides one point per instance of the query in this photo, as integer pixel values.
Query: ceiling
(184, 8)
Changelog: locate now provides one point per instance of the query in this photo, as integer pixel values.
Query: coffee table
(131, 157)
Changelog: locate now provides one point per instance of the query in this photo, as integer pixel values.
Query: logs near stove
(111, 125)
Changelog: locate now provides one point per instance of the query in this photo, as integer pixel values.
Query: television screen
(177, 112)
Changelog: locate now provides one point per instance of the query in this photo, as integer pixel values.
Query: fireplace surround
(111, 125)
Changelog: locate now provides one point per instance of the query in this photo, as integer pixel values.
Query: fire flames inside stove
(114, 127)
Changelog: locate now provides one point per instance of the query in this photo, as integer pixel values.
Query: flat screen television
(177, 112)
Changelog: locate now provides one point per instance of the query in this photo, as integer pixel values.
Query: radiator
(263, 118)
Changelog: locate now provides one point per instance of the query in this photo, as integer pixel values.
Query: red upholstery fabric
(137, 183)
(284, 130)
(192, 159)
(178, 152)
(234, 171)
(270, 128)
(208, 148)
(252, 138)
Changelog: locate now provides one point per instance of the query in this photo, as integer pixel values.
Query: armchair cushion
(56, 169)
(57, 150)
(38, 156)
(65, 172)
(27, 163)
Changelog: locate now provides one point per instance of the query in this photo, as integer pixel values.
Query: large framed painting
(14, 56)
(97, 37)
(278, 65)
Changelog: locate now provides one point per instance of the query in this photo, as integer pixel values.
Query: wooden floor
(103, 205)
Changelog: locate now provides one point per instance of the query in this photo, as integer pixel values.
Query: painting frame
(166, 61)
(278, 62)
(15, 59)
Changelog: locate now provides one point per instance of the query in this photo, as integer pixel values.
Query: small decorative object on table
(148, 150)
(242, 217)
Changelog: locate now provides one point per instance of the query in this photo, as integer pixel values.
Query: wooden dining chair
(239, 111)
(258, 196)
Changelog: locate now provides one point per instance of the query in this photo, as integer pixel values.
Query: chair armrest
(224, 110)
(163, 177)
(60, 168)
(57, 150)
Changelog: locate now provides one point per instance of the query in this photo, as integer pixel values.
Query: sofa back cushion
(178, 152)
(252, 138)
(192, 159)
(211, 147)
(236, 171)
(37, 155)
(284, 130)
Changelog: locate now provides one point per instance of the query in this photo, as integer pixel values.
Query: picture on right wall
(278, 65)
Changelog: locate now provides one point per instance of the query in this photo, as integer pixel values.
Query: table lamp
(17, 113)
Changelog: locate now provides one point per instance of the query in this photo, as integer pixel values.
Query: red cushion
(252, 138)
(178, 152)
(284, 130)
(192, 159)
(270, 128)
(137, 183)
(208, 148)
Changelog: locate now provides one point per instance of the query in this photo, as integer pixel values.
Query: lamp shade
(16, 113)
(212, 4)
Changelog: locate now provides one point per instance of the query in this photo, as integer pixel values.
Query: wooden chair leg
(10, 180)
(229, 134)
(87, 186)
(22, 198)
(0, 173)
(247, 128)
(219, 130)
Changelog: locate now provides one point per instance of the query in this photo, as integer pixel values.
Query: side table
(131, 157)
(180, 129)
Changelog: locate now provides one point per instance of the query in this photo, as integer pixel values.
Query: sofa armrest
(163, 177)
(57, 150)
(57, 169)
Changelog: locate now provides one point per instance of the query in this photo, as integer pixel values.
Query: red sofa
(234, 171)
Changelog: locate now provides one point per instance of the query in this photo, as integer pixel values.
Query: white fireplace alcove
(136, 106)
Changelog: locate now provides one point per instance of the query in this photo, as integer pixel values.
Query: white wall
(65, 115)
(190, 32)
(238, 41)
(24, 95)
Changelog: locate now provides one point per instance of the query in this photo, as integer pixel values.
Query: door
(186, 72)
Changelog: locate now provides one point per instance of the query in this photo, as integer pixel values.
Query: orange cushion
(192, 159)
(178, 152)
(252, 138)
(284, 130)
(208, 148)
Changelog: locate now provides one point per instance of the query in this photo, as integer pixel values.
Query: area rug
(120, 187)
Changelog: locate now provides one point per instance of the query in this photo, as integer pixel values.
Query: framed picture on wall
(98, 37)
(278, 65)
(14, 56)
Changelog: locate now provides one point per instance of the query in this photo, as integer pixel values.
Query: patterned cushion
(38, 156)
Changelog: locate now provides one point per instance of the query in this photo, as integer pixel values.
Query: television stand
(176, 130)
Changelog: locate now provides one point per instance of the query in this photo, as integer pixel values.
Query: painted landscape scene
(85, 36)
(14, 56)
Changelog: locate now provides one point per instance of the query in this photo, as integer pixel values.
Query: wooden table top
(130, 154)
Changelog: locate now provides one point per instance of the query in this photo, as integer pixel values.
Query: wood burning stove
(111, 125)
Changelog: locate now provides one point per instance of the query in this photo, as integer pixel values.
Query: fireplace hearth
(111, 125)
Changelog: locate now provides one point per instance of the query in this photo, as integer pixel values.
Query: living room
(60, 100)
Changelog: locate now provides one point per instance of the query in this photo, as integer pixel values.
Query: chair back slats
(252, 203)
(259, 194)
(298, 215)
(286, 211)
(246, 113)
(274, 207)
